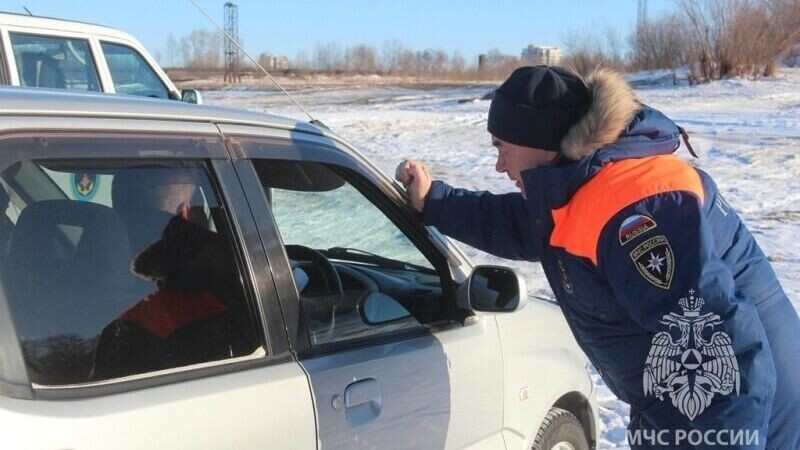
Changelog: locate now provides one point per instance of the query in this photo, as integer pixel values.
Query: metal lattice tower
(231, 50)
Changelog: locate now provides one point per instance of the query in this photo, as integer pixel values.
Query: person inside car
(185, 320)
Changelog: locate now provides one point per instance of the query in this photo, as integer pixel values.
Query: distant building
(273, 62)
(539, 54)
(481, 62)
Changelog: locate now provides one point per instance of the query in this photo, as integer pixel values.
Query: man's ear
(183, 210)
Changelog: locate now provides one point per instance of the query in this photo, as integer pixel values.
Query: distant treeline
(203, 49)
(711, 38)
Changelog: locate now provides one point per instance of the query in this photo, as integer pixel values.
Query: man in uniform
(663, 286)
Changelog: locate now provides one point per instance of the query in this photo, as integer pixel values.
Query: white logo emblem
(691, 369)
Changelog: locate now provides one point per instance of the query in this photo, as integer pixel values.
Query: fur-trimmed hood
(617, 127)
(613, 107)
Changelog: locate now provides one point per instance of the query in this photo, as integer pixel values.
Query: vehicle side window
(136, 271)
(130, 72)
(54, 62)
(332, 231)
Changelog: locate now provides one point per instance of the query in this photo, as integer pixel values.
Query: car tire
(560, 430)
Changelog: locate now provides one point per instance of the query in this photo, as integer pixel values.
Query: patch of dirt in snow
(783, 216)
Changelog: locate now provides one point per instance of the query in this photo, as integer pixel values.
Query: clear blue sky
(286, 27)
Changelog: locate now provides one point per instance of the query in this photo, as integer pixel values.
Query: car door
(428, 377)
(138, 296)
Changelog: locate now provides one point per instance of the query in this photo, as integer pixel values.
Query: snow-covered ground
(747, 134)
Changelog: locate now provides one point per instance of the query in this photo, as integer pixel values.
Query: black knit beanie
(536, 106)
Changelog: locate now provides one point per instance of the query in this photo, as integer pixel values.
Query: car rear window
(119, 268)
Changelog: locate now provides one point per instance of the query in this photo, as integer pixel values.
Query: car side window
(119, 268)
(131, 74)
(54, 62)
(357, 273)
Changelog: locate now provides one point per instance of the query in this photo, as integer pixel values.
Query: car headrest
(42, 70)
(88, 234)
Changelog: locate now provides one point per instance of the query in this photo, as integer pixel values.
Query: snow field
(747, 134)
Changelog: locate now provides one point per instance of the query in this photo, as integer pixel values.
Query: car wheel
(560, 430)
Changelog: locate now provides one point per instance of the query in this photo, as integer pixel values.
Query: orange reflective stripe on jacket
(578, 224)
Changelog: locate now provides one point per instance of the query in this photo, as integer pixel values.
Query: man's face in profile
(513, 159)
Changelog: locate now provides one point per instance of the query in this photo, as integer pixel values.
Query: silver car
(181, 277)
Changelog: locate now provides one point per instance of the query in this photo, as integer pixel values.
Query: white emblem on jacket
(691, 369)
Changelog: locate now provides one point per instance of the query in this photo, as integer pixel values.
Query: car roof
(52, 24)
(24, 101)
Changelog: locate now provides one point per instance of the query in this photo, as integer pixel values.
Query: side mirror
(191, 96)
(493, 289)
(379, 309)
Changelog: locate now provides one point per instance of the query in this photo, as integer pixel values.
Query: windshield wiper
(357, 255)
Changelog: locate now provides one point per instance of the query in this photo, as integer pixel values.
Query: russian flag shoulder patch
(634, 226)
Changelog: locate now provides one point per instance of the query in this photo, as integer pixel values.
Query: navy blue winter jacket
(663, 286)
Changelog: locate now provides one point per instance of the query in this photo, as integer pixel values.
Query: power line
(241, 49)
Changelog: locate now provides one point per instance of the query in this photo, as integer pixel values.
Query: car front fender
(542, 363)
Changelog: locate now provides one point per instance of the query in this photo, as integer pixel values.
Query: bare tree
(614, 47)
(301, 61)
(430, 61)
(327, 56)
(202, 49)
(172, 51)
(406, 62)
(739, 37)
(585, 50)
(390, 55)
(659, 44)
(787, 29)
(458, 64)
(361, 58)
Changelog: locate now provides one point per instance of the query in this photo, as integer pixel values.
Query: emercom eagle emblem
(691, 369)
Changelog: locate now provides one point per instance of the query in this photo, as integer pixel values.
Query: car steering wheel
(330, 276)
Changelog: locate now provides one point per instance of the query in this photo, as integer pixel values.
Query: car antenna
(228, 36)
(27, 10)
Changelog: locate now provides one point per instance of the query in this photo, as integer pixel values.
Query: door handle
(363, 401)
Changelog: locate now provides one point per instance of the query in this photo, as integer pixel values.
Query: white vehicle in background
(61, 54)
